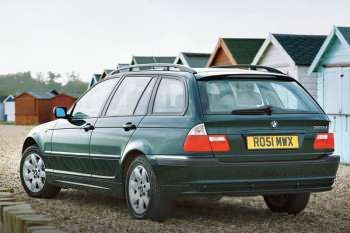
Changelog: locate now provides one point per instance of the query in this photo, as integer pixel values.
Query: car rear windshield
(229, 96)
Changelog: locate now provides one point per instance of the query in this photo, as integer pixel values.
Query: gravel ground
(78, 211)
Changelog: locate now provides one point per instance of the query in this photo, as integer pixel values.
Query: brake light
(198, 140)
(324, 141)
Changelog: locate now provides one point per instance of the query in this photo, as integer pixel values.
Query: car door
(121, 118)
(71, 137)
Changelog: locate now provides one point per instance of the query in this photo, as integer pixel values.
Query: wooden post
(6, 194)
(7, 199)
(11, 215)
(25, 221)
(49, 231)
(6, 228)
(2, 206)
(40, 228)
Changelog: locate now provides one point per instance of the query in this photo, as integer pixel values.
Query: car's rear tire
(288, 203)
(144, 197)
(33, 175)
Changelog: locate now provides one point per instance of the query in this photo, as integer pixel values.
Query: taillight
(324, 141)
(198, 140)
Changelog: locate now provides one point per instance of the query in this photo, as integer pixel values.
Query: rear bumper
(182, 175)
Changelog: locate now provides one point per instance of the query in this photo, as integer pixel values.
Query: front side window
(92, 102)
(223, 96)
(127, 96)
(170, 97)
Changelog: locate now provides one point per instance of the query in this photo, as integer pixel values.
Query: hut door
(336, 96)
(332, 97)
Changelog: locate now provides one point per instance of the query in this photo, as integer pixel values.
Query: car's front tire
(290, 203)
(33, 175)
(144, 197)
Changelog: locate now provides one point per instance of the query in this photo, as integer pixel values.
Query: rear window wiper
(253, 111)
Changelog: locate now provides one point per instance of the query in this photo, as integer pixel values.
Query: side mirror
(60, 112)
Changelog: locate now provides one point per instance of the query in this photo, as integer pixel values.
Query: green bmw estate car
(152, 133)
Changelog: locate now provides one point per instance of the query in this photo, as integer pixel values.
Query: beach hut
(9, 108)
(33, 108)
(122, 65)
(105, 73)
(2, 109)
(292, 54)
(97, 77)
(332, 67)
(194, 60)
(37, 107)
(233, 51)
(94, 79)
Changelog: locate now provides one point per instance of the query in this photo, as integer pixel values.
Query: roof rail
(153, 66)
(251, 67)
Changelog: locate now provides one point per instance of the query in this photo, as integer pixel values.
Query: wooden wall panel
(61, 100)
(26, 120)
(221, 59)
(43, 110)
(25, 105)
(308, 81)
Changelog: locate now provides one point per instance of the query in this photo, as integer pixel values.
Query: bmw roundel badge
(274, 124)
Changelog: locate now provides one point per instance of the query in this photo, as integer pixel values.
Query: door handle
(87, 127)
(129, 126)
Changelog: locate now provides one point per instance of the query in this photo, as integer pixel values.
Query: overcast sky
(87, 36)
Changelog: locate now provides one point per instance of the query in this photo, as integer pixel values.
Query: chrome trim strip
(105, 155)
(87, 185)
(174, 157)
(82, 154)
(78, 174)
(65, 153)
(103, 177)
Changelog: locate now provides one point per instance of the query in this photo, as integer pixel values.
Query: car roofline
(255, 71)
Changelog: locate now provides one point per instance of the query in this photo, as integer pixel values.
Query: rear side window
(222, 96)
(142, 106)
(127, 96)
(170, 97)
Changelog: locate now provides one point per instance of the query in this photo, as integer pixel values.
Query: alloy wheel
(139, 189)
(34, 174)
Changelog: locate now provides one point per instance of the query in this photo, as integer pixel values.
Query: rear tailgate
(296, 132)
(263, 118)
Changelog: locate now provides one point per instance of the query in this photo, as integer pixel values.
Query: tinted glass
(142, 106)
(92, 102)
(127, 96)
(224, 96)
(170, 97)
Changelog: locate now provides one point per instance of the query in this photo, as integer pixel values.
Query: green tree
(52, 81)
(74, 85)
(19, 82)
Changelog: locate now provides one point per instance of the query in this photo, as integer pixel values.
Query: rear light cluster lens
(324, 141)
(198, 140)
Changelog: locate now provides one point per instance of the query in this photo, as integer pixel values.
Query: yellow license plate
(272, 142)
